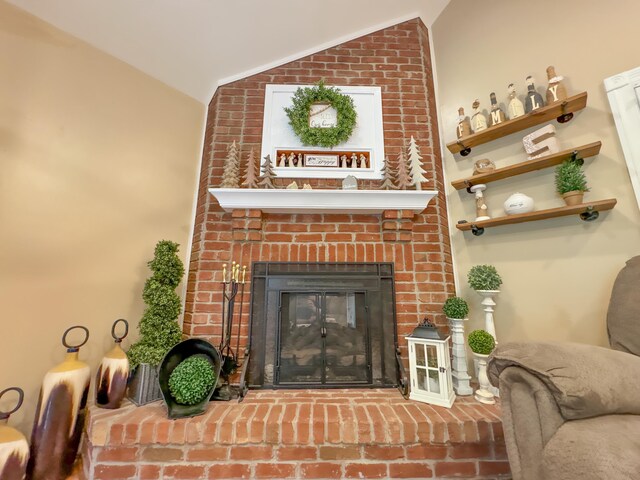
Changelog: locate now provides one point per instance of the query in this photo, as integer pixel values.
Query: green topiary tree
(484, 277)
(159, 329)
(455, 307)
(191, 380)
(570, 178)
(481, 342)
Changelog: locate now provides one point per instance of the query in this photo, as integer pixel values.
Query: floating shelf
(587, 211)
(322, 201)
(584, 151)
(559, 110)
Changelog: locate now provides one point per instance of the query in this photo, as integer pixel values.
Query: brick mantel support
(247, 225)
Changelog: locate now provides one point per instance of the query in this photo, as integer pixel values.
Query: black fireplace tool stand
(232, 290)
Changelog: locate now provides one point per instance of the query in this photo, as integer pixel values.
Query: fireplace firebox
(329, 325)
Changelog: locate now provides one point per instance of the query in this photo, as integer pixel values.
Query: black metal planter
(143, 385)
(182, 351)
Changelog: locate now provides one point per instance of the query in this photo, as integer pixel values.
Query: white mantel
(322, 201)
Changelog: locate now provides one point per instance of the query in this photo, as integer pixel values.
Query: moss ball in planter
(481, 342)
(455, 307)
(484, 277)
(191, 381)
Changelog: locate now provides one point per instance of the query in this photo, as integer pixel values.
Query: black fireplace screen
(322, 325)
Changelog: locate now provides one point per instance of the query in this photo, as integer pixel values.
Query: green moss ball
(191, 381)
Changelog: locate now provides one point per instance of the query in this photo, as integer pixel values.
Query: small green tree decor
(481, 342)
(571, 182)
(455, 307)
(484, 277)
(159, 329)
(192, 380)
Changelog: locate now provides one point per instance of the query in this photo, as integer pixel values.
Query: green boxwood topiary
(159, 329)
(484, 277)
(455, 307)
(298, 115)
(191, 380)
(570, 178)
(481, 342)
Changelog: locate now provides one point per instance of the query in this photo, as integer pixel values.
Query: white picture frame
(367, 136)
(623, 91)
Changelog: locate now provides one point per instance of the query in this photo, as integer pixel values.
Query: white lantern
(430, 366)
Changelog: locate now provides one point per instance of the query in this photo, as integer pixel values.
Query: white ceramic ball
(518, 203)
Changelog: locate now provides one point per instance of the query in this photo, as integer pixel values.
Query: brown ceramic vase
(111, 379)
(14, 449)
(59, 420)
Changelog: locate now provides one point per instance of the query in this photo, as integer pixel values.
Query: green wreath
(322, 137)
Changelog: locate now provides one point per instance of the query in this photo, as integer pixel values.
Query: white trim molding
(322, 201)
(624, 97)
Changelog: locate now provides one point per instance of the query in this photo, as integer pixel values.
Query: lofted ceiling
(195, 45)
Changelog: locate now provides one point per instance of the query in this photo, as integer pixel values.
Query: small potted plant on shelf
(571, 182)
(482, 344)
(159, 328)
(456, 309)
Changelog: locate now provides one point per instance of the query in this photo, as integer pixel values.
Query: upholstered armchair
(572, 411)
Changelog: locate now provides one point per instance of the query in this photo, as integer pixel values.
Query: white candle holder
(488, 303)
(460, 376)
(484, 393)
(481, 207)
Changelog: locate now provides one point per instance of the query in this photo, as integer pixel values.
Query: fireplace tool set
(232, 287)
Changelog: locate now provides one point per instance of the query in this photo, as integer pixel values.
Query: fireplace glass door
(323, 339)
(322, 325)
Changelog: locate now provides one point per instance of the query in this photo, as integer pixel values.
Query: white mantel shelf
(322, 201)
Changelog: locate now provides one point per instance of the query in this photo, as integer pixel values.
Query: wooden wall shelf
(560, 111)
(587, 211)
(584, 151)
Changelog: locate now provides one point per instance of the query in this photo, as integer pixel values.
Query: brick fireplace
(316, 433)
(398, 60)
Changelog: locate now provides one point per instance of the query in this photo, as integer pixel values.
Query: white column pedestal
(483, 394)
(488, 303)
(459, 374)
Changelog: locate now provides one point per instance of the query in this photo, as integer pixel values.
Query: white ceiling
(194, 45)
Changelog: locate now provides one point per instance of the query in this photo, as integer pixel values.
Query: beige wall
(557, 273)
(97, 162)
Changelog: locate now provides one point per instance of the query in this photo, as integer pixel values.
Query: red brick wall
(398, 60)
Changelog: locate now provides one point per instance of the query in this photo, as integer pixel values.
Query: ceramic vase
(14, 449)
(113, 372)
(518, 203)
(483, 394)
(60, 416)
(460, 376)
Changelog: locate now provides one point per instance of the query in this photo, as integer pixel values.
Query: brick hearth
(299, 434)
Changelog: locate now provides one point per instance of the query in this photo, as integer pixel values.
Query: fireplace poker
(244, 271)
(224, 301)
(229, 362)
